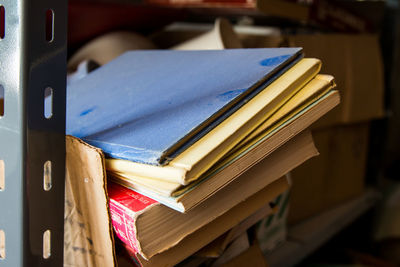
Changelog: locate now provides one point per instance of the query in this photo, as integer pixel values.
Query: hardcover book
(312, 102)
(150, 228)
(149, 106)
(199, 157)
(236, 217)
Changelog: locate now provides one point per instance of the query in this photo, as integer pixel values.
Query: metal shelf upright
(32, 140)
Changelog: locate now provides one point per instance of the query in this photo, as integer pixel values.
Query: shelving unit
(32, 145)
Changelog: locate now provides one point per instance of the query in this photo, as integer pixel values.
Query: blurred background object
(109, 46)
(221, 36)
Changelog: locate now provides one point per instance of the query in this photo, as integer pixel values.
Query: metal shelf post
(32, 142)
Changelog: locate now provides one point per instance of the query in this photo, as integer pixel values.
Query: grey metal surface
(28, 65)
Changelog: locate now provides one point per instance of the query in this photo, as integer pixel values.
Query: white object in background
(83, 69)
(257, 30)
(222, 36)
(109, 46)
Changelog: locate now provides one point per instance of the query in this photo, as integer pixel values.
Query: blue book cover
(148, 106)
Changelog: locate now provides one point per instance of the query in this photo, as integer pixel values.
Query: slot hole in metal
(49, 25)
(48, 102)
(46, 244)
(1, 100)
(47, 177)
(2, 245)
(2, 176)
(2, 22)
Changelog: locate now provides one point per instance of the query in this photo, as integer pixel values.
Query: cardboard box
(333, 177)
(354, 60)
(88, 235)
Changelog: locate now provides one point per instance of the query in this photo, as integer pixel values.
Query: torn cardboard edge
(86, 244)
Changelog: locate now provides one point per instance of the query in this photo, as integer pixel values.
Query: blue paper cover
(148, 106)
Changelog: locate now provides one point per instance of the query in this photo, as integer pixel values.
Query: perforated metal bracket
(32, 138)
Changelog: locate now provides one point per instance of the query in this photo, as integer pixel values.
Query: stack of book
(197, 141)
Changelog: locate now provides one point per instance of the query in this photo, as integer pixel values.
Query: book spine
(124, 225)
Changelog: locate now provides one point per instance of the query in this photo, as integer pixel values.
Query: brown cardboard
(235, 248)
(251, 257)
(217, 247)
(354, 60)
(88, 236)
(333, 177)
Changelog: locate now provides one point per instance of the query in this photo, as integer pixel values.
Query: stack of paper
(182, 130)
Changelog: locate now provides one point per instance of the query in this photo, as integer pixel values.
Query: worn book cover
(149, 106)
(199, 157)
(302, 110)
